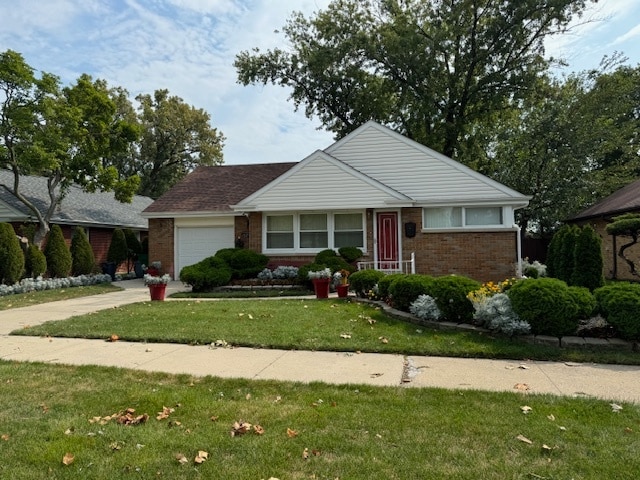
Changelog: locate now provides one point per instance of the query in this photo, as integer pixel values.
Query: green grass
(303, 324)
(46, 296)
(247, 293)
(351, 432)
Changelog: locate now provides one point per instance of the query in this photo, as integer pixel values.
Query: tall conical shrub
(554, 251)
(83, 260)
(566, 260)
(35, 263)
(117, 252)
(11, 255)
(588, 262)
(57, 254)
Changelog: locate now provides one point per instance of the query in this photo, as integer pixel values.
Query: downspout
(519, 251)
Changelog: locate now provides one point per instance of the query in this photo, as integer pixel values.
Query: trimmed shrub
(206, 275)
(329, 258)
(303, 273)
(546, 304)
(566, 262)
(364, 281)
(350, 254)
(425, 308)
(133, 244)
(553, 253)
(35, 263)
(118, 251)
(385, 283)
(242, 262)
(326, 256)
(406, 289)
(619, 303)
(584, 300)
(451, 295)
(82, 258)
(11, 255)
(588, 262)
(57, 254)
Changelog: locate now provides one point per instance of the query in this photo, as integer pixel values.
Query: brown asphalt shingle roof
(214, 189)
(624, 200)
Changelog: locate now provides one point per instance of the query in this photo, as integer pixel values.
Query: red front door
(387, 240)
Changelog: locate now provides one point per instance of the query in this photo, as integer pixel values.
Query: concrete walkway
(610, 382)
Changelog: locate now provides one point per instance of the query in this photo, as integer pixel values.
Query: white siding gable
(321, 182)
(423, 174)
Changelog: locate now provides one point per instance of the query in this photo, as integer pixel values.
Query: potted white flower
(321, 280)
(157, 285)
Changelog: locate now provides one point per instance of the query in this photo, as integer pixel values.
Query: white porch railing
(400, 266)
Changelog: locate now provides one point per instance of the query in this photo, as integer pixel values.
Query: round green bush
(364, 281)
(546, 304)
(350, 254)
(406, 289)
(35, 263)
(450, 293)
(384, 284)
(82, 258)
(303, 273)
(243, 263)
(57, 254)
(619, 303)
(118, 251)
(325, 256)
(206, 275)
(584, 300)
(11, 255)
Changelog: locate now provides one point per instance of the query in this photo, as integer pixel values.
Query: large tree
(432, 69)
(59, 133)
(176, 138)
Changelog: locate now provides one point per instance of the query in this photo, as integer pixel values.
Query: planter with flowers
(341, 279)
(321, 280)
(157, 285)
(154, 269)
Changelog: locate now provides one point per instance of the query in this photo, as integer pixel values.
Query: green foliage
(207, 274)
(118, 251)
(584, 300)
(587, 260)
(11, 255)
(133, 244)
(450, 293)
(546, 304)
(363, 281)
(567, 256)
(553, 252)
(57, 253)
(619, 303)
(82, 258)
(303, 273)
(384, 284)
(242, 262)
(35, 263)
(406, 289)
(350, 254)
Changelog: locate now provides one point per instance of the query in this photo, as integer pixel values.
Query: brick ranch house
(374, 189)
(98, 213)
(625, 200)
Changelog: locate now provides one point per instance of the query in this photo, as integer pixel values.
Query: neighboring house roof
(215, 189)
(77, 207)
(626, 199)
(372, 167)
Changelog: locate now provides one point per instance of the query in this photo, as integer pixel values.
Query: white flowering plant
(39, 283)
(324, 273)
(156, 280)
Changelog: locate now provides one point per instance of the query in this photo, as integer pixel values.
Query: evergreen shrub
(118, 251)
(588, 262)
(451, 293)
(546, 304)
(11, 255)
(35, 264)
(242, 262)
(584, 300)
(619, 304)
(57, 253)
(350, 254)
(384, 284)
(406, 289)
(206, 275)
(82, 258)
(363, 281)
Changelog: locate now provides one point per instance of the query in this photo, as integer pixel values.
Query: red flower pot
(157, 291)
(343, 290)
(321, 287)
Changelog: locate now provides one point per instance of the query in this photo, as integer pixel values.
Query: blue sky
(188, 47)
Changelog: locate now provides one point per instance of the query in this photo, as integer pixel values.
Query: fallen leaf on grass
(201, 457)
(240, 428)
(258, 430)
(551, 417)
(615, 408)
(526, 409)
(214, 418)
(305, 453)
(524, 439)
(5, 437)
(113, 338)
(181, 459)
(68, 459)
(383, 339)
(166, 411)
(345, 335)
(291, 433)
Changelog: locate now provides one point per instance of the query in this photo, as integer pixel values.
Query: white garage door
(197, 243)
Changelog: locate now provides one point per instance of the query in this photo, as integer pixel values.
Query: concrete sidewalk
(610, 382)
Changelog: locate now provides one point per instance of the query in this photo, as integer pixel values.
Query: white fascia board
(188, 214)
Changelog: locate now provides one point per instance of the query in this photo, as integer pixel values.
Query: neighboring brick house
(374, 189)
(98, 213)
(625, 200)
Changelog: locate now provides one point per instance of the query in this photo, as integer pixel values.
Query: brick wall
(161, 246)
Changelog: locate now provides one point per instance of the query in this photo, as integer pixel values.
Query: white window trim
(296, 232)
(507, 213)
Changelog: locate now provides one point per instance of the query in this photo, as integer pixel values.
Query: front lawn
(302, 324)
(312, 431)
(46, 296)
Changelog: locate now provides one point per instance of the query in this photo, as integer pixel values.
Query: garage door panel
(198, 243)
